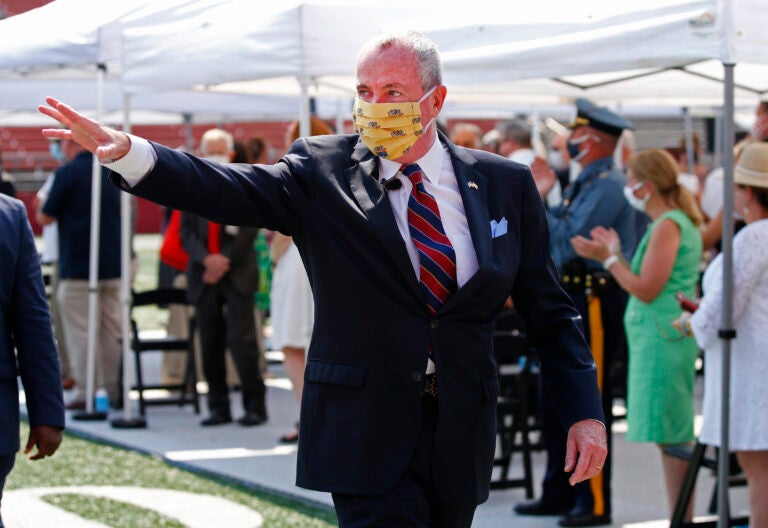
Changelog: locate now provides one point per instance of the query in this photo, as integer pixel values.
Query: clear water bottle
(101, 400)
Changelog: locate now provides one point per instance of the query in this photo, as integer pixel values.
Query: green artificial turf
(80, 462)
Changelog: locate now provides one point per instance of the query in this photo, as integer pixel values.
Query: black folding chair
(516, 410)
(185, 392)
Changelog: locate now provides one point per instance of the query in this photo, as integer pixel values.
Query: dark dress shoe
(540, 507)
(217, 418)
(252, 418)
(581, 517)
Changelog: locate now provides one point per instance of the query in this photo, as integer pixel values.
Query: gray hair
(428, 61)
(214, 134)
(518, 131)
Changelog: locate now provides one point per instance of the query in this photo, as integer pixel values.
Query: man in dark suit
(27, 348)
(222, 279)
(398, 413)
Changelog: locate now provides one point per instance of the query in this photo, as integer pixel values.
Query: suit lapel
(363, 182)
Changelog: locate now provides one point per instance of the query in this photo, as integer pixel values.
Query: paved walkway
(252, 456)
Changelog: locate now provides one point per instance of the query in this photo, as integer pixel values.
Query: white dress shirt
(440, 182)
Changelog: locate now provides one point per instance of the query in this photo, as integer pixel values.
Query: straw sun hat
(752, 168)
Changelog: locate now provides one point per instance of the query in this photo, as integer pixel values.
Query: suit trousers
(58, 325)
(225, 318)
(412, 503)
(6, 465)
(174, 365)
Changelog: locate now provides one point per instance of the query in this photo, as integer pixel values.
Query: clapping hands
(543, 175)
(603, 244)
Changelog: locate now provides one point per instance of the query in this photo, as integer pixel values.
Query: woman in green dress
(666, 261)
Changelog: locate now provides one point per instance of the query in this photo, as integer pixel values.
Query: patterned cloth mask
(389, 130)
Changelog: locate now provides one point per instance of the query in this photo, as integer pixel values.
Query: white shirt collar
(431, 164)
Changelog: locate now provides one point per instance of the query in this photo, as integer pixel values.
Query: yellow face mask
(389, 130)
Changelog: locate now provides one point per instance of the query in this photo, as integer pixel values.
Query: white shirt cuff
(139, 161)
(598, 421)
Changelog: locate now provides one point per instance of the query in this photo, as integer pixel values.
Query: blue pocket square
(499, 228)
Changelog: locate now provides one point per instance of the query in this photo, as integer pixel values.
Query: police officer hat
(599, 118)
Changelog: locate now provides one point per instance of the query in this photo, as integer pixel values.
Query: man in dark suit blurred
(398, 415)
(222, 279)
(27, 347)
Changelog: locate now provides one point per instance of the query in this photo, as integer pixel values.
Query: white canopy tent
(550, 53)
(38, 45)
(496, 59)
(20, 97)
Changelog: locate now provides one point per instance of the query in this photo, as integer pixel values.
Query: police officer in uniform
(595, 198)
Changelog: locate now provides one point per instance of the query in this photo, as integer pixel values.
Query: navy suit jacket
(27, 348)
(361, 408)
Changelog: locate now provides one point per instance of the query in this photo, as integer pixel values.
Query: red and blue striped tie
(436, 255)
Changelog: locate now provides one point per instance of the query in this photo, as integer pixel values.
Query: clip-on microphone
(391, 184)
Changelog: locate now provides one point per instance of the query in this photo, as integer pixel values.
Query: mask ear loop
(647, 196)
(579, 140)
(637, 186)
(426, 94)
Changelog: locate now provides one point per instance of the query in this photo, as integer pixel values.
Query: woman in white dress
(748, 430)
(291, 313)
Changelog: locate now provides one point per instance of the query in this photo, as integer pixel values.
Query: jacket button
(417, 376)
(434, 323)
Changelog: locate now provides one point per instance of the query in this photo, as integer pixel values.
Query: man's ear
(438, 99)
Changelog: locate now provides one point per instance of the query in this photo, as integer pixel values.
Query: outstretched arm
(106, 143)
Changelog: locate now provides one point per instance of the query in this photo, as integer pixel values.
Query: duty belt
(576, 278)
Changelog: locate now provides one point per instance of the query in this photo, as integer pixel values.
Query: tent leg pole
(727, 333)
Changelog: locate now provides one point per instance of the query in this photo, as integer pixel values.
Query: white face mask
(218, 158)
(634, 201)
